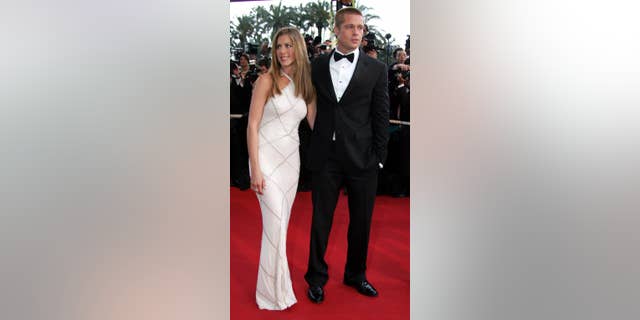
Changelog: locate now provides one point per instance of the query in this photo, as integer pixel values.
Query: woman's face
(285, 51)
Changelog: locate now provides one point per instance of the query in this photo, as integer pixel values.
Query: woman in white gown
(281, 99)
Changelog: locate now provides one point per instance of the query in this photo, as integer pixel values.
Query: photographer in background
(400, 110)
(370, 51)
(368, 43)
(240, 99)
(248, 75)
(395, 175)
(311, 45)
(398, 66)
(394, 178)
(401, 56)
(263, 66)
(369, 39)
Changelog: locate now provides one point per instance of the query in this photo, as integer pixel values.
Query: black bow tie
(338, 56)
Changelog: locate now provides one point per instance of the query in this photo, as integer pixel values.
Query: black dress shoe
(315, 294)
(364, 287)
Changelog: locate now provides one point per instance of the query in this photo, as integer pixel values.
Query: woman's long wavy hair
(301, 74)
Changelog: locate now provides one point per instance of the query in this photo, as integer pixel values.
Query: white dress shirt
(341, 73)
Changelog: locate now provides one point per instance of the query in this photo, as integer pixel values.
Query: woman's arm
(256, 109)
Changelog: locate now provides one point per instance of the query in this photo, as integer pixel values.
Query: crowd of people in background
(245, 67)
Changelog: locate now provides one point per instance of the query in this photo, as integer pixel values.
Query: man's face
(401, 56)
(243, 61)
(350, 33)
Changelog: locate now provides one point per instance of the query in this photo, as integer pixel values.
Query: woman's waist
(288, 139)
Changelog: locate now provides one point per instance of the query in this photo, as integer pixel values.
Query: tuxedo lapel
(326, 76)
(358, 74)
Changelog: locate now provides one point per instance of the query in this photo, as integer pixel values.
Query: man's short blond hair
(339, 20)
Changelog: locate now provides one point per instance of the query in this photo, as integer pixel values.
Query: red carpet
(387, 264)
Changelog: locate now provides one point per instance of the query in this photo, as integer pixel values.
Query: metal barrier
(406, 123)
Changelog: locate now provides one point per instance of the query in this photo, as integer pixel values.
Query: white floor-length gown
(280, 164)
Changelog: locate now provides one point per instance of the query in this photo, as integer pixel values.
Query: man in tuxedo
(348, 146)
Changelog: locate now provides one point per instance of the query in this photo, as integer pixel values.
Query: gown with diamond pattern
(280, 165)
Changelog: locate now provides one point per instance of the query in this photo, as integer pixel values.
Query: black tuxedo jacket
(360, 119)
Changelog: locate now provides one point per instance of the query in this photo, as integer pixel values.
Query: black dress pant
(361, 193)
(304, 134)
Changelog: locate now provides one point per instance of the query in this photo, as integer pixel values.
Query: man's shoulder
(373, 62)
(319, 60)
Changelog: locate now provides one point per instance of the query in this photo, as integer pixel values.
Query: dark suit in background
(239, 155)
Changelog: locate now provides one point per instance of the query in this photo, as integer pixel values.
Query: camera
(371, 40)
(403, 74)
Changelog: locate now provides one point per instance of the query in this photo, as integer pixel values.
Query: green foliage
(242, 29)
(313, 18)
(319, 14)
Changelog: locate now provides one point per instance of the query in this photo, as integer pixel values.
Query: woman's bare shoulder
(264, 80)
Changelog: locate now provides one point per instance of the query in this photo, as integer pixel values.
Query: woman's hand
(257, 182)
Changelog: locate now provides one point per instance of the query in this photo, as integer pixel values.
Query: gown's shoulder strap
(286, 75)
(290, 84)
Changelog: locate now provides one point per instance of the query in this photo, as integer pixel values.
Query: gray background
(525, 176)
